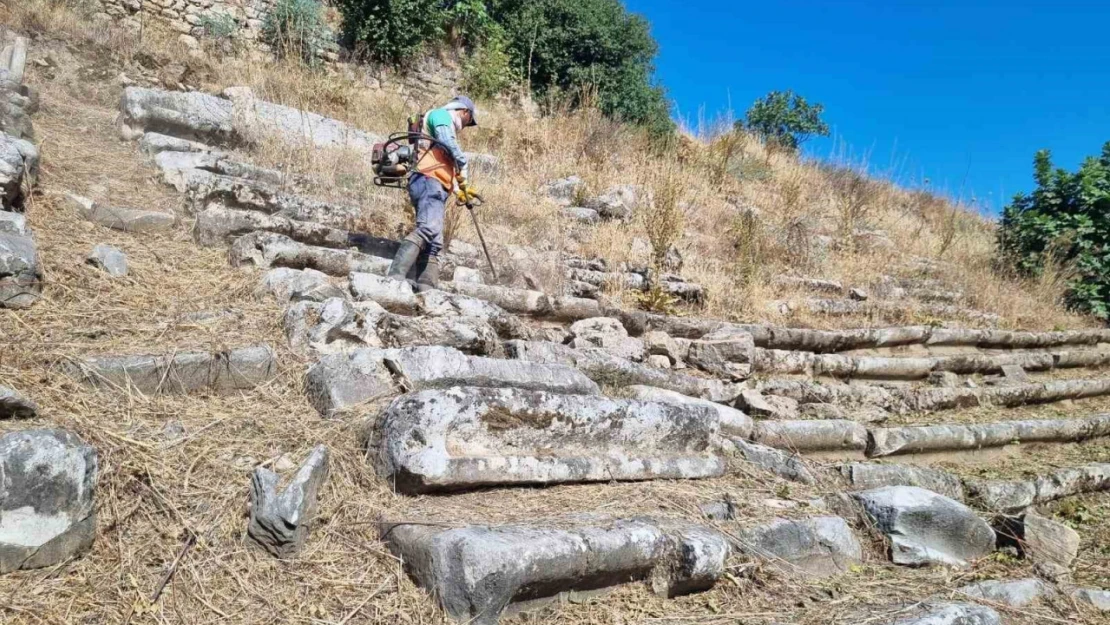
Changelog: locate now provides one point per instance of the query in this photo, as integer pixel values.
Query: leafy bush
(391, 30)
(295, 28)
(488, 71)
(468, 22)
(785, 119)
(1065, 220)
(560, 46)
(220, 27)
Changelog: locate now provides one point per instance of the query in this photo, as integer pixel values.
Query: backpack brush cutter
(396, 158)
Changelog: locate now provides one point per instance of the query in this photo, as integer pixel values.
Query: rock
(1014, 373)
(18, 168)
(126, 219)
(465, 438)
(661, 343)
(815, 547)
(563, 191)
(334, 325)
(47, 505)
(279, 522)
(189, 42)
(944, 379)
(419, 368)
(519, 301)
(724, 352)
(617, 202)
(441, 304)
(926, 528)
(179, 372)
(20, 273)
(607, 333)
(869, 476)
(1015, 594)
(1045, 541)
(779, 462)
(1092, 597)
(581, 214)
(393, 295)
(466, 274)
(477, 572)
(812, 436)
(242, 118)
(953, 614)
(661, 362)
(296, 285)
(486, 166)
(13, 223)
(267, 249)
(15, 406)
(338, 382)
(471, 335)
(153, 143)
(111, 259)
(733, 422)
(768, 406)
(858, 294)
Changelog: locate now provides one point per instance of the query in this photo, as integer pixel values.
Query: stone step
(268, 249)
(465, 438)
(782, 362)
(477, 573)
(341, 381)
(975, 437)
(605, 368)
(1014, 495)
(869, 476)
(847, 307)
(836, 438)
(178, 372)
(815, 547)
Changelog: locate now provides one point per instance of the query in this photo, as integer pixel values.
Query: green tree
(561, 46)
(785, 119)
(391, 30)
(1066, 219)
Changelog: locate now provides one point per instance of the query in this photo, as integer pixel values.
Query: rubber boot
(429, 276)
(406, 257)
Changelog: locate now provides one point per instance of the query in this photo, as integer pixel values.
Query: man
(436, 175)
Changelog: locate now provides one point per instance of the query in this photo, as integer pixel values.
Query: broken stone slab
(48, 509)
(618, 202)
(581, 214)
(262, 190)
(1093, 598)
(938, 438)
(662, 344)
(19, 161)
(783, 464)
(179, 372)
(574, 309)
(812, 436)
(218, 225)
(471, 335)
(953, 614)
(869, 476)
(293, 285)
(927, 528)
(465, 438)
(602, 279)
(768, 406)
(814, 547)
(436, 303)
(810, 284)
(395, 296)
(13, 405)
(242, 119)
(724, 352)
(13, 223)
(279, 522)
(20, 272)
(518, 301)
(268, 249)
(606, 333)
(477, 573)
(843, 395)
(153, 143)
(1015, 594)
(331, 326)
(178, 169)
(110, 259)
(126, 219)
(605, 368)
(1010, 496)
(1051, 545)
(733, 422)
(339, 382)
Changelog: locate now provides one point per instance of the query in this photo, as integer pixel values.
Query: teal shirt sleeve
(441, 126)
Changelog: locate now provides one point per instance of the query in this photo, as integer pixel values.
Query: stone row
(944, 438)
(917, 368)
(830, 341)
(838, 307)
(20, 271)
(238, 118)
(178, 372)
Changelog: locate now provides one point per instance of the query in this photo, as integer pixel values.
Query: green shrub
(391, 30)
(1065, 220)
(488, 71)
(295, 28)
(220, 27)
(785, 119)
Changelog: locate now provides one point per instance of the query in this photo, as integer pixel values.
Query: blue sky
(961, 93)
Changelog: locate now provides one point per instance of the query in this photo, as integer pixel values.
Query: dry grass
(172, 467)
